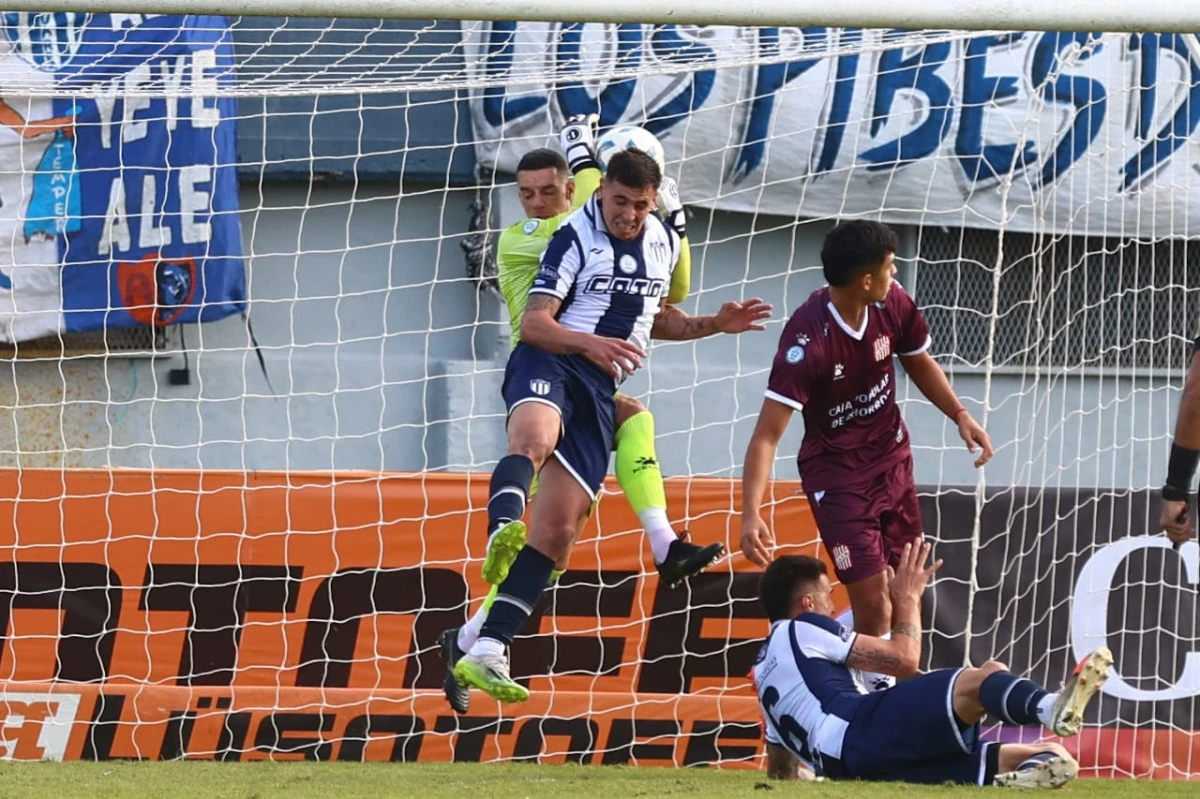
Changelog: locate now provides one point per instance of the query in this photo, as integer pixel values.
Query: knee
(534, 443)
(627, 408)
(553, 540)
(971, 680)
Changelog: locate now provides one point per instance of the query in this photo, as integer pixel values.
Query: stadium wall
(382, 356)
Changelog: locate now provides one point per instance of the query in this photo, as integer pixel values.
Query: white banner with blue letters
(1058, 132)
(118, 185)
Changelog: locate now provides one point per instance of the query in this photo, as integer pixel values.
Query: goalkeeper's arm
(681, 278)
(578, 141)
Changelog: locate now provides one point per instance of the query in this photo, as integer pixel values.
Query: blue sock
(1011, 698)
(508, 490)
(518, 595)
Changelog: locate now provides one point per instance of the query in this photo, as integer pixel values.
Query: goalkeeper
(548, 196)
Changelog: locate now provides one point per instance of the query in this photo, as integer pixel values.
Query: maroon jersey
(844, 383)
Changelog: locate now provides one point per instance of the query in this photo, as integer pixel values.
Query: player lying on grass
(597, 299)
(835, 365)
(548, 194)
(922, 730)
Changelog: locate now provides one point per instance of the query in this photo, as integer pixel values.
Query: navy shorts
(909, 733)
(583, 396)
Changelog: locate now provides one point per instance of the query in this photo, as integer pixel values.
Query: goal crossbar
(1063, 15)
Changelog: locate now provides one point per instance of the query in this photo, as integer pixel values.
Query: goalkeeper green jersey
(519, 255)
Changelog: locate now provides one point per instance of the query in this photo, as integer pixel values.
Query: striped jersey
(807, 694)
(608, 287)
(519, 251)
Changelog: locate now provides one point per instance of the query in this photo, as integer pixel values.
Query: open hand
(738, 317)
(911, 575)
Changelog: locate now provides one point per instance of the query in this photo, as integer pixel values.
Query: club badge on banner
(1065, 132)
(118, 190)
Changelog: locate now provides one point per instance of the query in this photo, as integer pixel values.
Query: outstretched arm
(672, 324)
(931, 380)
(1175, 518)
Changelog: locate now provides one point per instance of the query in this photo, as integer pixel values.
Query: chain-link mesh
(1064, 301)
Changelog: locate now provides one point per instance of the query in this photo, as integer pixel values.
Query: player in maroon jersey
(834, 365)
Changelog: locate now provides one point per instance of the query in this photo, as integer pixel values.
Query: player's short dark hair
(784, 578)
(542, 158)
(855, 247)
(635, 169)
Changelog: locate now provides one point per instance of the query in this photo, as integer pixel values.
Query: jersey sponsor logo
(540, 387)
(795, 355)
(841, 556)
(839, 371)
(611, 284)
(529, 226)
(802, 339)
(899, 435)
(627, 264)
(659, 249)
(883, 348)
(597, 251)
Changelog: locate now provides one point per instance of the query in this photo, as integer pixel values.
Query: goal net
(240, 542)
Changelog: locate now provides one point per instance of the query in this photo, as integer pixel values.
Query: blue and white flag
(118, 184)
(1064, 132)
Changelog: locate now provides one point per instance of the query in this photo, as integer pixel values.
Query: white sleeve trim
(788, 401)
(551, 292)
(918, 350)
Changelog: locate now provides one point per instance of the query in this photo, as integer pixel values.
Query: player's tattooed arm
(542, 303)
(910, 630)
(538, 325)
(733, 317)
(900, 656)
(672, 324)
(871, 658)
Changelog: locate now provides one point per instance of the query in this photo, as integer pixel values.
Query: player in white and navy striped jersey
(599, 296)
(923, 730)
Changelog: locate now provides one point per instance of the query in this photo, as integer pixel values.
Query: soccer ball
(629, 137)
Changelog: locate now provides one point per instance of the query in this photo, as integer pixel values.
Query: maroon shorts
(866, 526)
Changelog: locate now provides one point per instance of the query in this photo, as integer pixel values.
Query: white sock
(1046, 710)
(487, 646)
(658, 532)
(469, 632)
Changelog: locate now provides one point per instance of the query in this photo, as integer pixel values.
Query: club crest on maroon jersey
(883, 348)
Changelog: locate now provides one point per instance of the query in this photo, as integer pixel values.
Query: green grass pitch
(201, 780)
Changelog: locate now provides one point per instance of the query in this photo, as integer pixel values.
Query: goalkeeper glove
(578, 140)
(672, 207)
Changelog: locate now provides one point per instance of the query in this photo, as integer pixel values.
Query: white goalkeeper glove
(578, 140)
(671, 206)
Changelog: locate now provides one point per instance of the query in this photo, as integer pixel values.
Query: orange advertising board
(71, 722)
(345, 581)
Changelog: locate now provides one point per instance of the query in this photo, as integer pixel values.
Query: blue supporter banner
(118, 183)
(1052, 132)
